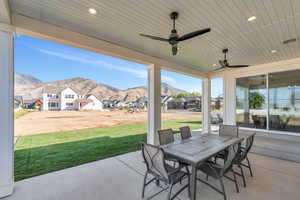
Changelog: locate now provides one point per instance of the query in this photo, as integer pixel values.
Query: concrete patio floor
(121, 178)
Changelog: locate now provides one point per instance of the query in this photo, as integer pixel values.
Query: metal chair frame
(244, 156)
(164, 176)
(227, 167)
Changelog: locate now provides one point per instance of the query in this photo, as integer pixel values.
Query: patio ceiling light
(252, 18)
(273, 51)
(92, 11)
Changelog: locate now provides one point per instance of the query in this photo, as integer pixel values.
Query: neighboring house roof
(30, 101)
(57, 90)
(53, 89)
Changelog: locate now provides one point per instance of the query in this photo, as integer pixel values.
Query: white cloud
(100, 63)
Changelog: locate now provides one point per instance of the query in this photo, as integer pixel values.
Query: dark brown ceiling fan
(224, 63)
(174, 38)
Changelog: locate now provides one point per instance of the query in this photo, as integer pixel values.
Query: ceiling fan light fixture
(92, 11)
(252, 18)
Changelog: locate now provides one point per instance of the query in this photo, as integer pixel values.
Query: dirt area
(56, 121)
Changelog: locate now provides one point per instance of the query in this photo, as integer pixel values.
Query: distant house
(18, 101)
(61, 98)
(90, 102)
(32, 104)
(185, 103)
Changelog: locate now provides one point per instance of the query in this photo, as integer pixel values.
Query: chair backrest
(185, 132)
(165, 136)
(228, 130)
(154, 157)
(248, 144)
(232, 154)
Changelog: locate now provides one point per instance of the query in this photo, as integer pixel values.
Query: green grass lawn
(44, 153)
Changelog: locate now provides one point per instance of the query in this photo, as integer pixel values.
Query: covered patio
(263, 34)
(121, 177)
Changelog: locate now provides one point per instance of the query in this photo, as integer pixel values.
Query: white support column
(6, 113)
(154, 104)
(206, 97)
(229, 99)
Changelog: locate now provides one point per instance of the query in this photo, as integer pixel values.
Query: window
(69, 96)
(52, 104)
(269, 101)
(69, 104)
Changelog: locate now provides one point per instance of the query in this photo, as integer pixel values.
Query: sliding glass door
(251, 102)
(284, 97)
(270, 101)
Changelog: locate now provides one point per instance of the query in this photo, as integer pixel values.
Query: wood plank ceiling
(120, 21)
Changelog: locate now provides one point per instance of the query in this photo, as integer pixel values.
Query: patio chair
(243, 155)
(165, 136)
(218, 171)
(226, 130)
(154, 157)
(185, 132)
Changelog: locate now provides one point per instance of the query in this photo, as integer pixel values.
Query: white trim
(270, 132)
(6, 114)
(35, 28)
(6, 190)
(154, 104)
(5, 15)
(206, 98)
(7, 27)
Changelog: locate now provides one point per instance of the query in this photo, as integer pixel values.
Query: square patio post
(206, 97)
(229, 99)
(6, 113)
(154, 103)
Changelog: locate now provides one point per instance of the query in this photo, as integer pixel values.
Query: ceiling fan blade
(155, 37)
(222, 63)
(193, 34)
(237, 66)
(218, 69)
(174, 50)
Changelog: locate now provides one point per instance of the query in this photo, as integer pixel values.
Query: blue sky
(49, 61)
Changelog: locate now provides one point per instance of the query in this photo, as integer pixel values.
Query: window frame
(267, 130)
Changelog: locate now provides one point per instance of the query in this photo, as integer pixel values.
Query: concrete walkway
(121, 178)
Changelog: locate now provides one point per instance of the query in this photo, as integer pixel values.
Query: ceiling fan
(174, 38)
(224, 63)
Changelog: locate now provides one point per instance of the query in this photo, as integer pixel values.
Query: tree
(182, 95)
(256, 100)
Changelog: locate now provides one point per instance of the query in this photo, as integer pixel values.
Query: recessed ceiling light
(252, 18)
(92, 11)
(273, 51)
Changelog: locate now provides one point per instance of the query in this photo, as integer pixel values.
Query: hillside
(29, 87)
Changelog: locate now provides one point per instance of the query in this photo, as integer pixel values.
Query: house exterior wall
(94, 105)
(51, 98)
(68, 100)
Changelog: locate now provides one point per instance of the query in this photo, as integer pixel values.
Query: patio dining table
(196, 150)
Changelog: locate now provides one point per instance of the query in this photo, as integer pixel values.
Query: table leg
(193, 182)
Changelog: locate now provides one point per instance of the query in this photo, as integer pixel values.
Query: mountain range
(30, 87)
